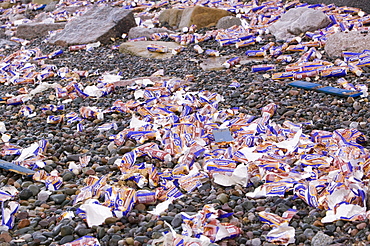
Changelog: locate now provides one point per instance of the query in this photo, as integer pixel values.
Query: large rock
(201, 16)
(137, 32)
(42, 1)
(350, 41)
(298, 20)
(170, 17)
(228, 21)
(98, 24)
(140, 49)
(364, 5)
(35, 30)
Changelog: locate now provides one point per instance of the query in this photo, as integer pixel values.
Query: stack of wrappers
(327, 170)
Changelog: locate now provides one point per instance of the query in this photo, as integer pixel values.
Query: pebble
(58, 198)
(361, 226)
(66, 230)
(25, 194)
(5, 237)
(223, 198)
(256, 242)
(66, 239)
(321, 239)
(23, 223)
(34, 189)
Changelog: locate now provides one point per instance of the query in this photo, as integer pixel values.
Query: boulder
(137, 32)
(140, 49)
(170, 17)
(34, 30)
(100, 23)
(42, 1)
(4, 44)
(201, 16)
(364, 5)
(6, 4)
(298, 20)
(228, 21)
(355, 41)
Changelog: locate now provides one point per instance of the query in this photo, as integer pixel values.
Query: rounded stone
(34, 189)
(66, 239)
(223, 198)
(58, 198)
(130, 241)
(25, 194)
(66, 230)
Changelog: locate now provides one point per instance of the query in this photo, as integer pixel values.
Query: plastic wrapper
(8, 213)
(206, 223)
(94, 213)
(282, 235)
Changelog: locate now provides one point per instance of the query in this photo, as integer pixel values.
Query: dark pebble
(58, 198)
(66, 239)
(25, 194)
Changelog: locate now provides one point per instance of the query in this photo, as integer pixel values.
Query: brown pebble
(90, 172)
(265, 227)
(45, 205)
(140, 207)
(11, 181)
(350, 99)
(5, 237)
(116, 228)
(318, 223)
(159, 222)
(361, 226)
(23, 223)
(293, 92)
(104, 160)
(22, 215)
(353, 232)
(368, 237)
(110, 220)
(260, 209)
(130, 241)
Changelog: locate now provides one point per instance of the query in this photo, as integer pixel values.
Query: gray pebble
(321, 239)
(34, 189)
(66, 230)
(58, 198)
(177, 221)
(66, 239)
(309, 233)
(142, 239)
(68, 176)
(43, 195)
(256, 242)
